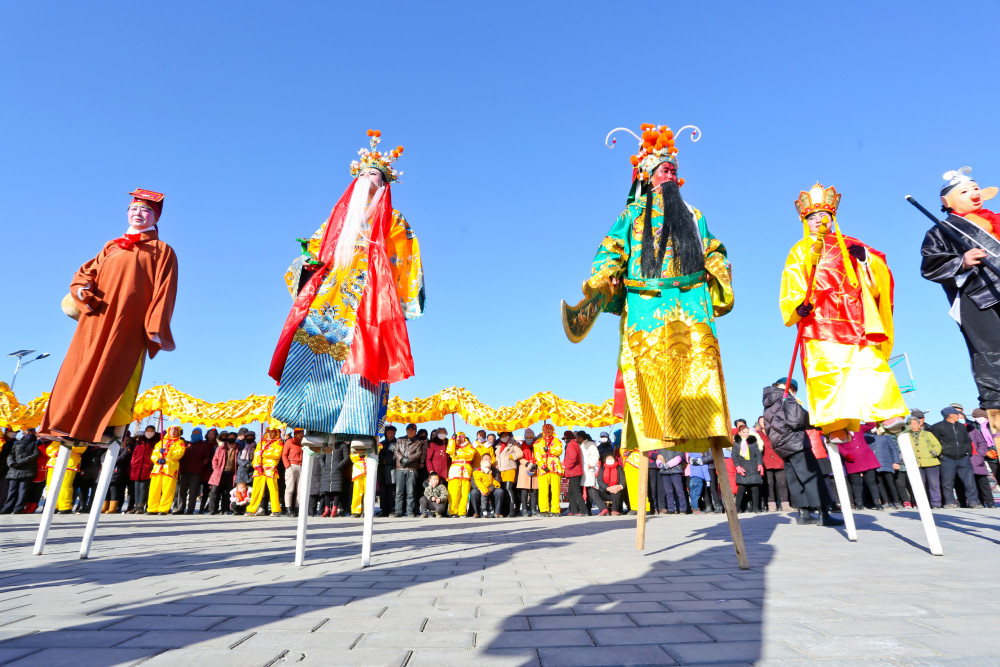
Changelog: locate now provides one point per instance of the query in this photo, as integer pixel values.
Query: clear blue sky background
(246, 115)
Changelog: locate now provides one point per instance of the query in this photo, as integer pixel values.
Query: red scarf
(611, 474)
(380, 350)
(990, 217)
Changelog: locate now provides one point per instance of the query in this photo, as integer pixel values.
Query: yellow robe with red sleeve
(266, 459)
(460, 476)
(163, 478)
(848, 337)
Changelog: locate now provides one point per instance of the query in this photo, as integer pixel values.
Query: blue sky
(246, 114)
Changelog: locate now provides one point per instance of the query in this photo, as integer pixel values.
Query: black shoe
(830, 521)
(803, 517)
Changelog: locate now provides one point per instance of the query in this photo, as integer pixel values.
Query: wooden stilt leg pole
(371, 463)
(641, 493)
(729, 503)
(841, 482)
(923, 504)
(100, 493)
(305, 482)
(51, 498)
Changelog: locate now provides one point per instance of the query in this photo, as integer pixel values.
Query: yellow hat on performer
(817, 198)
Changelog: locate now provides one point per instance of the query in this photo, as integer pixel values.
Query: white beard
(353, 231)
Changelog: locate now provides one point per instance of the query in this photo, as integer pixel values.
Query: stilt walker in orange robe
(123, 300)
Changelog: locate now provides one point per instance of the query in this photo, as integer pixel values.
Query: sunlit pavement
(214, 591)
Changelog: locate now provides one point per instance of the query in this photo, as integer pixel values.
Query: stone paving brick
(359, 657)
(681, 618)
(417, 640)
(85, 657)
(533, 638)
(453, 658)
(214, 658)
(79, 638)
(581, 621)
(598, 656)
(861, 647)
(648, 635)
(300, 640)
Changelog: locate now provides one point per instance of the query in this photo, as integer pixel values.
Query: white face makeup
(141, 217)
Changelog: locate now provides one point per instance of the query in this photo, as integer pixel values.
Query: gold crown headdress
(656, 146)
(374, 158)
(817, 198)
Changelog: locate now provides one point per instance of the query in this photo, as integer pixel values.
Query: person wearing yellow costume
(64, 503)
(265, 472)
(166, 459)
(550, 469)
(846, 322)
(483, 446)
(636, 463)
(461, 453)
(485, 483)
(359, 476)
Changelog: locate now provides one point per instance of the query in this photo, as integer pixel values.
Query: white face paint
(141, 218)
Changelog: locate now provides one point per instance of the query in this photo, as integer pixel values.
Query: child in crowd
(699, 477)
(435, 498)
(485, 483)
(239, 498)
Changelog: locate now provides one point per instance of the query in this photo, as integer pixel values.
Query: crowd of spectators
(434, 474)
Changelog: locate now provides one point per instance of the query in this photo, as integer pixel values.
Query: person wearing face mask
(604, 445)
(482, 447)
(611, 485)
(223, 477)
(507, 455)
(437, 454)
(527, 474)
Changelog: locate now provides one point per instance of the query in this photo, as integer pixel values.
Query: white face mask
(604, 438)
(504, 439)
(480, 438)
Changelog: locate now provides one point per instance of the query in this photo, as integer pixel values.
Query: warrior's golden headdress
(656, 146)
(817, 198)
(374, 158)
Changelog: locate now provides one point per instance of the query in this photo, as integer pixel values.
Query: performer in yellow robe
(847, 322)
(461, 453)
(265, 472)
(550, 471)
(64, 497)
(359, 477)
(166, 458)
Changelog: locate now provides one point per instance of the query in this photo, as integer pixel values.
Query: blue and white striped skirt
(316, 396)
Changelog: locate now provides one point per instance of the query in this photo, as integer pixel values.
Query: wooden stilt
(640, 520)
(371, 463)
(729, 503)
(923, 504)
(51, 498)
(844, 498)
(100, 493)
(305, 482)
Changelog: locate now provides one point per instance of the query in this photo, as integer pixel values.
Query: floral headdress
(375, 158)
(656, 146)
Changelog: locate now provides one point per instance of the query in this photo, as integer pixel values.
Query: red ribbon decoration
(128, 240)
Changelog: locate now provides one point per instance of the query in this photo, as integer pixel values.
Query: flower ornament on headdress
(656, 146)
(372, 157)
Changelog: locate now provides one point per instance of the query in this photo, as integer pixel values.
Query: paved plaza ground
(219, 591)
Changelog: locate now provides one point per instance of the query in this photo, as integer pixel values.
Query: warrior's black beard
(678, 225)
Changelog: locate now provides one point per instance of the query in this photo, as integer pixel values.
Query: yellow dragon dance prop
(187, 409)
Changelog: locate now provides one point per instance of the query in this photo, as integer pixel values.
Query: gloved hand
(857, 252)
(161, 462)
(804, 309)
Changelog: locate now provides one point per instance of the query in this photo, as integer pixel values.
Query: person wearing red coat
(573, 472)
(437, 454)
(142, 467)
(861, 463)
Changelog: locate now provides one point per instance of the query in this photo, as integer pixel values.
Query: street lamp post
(21, 354)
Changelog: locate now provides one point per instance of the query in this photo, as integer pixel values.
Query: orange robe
(130, 300)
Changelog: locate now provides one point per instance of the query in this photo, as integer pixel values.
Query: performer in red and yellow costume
(65, 494)
(847, 326)
(265, 472)
(359, 477)
(167, 455)
(550, 471)
(461, 453)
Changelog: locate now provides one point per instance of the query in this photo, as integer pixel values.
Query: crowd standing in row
(500, 475)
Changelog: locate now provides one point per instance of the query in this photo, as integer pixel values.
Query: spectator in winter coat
(748, 461)
(335, 480)
(886, 450)
(956, 453)
(437, 454)
(861, 464)
(22, 456)
(671, 481)
(591, 464)
(408, 459)
(142, 467)
(197, 456)
(246, 445)
(527, 474)
(223, 479)
(775, 485)
(38, 482)
(435, 498)
(119, 477)
(927, 449)
(611, 485)
(573, 472)
(605, 446)
(698, 476)
(291, 458)
(484, 485)
(786, 421)
(982, 441)
(508, 454)
(386, 473)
